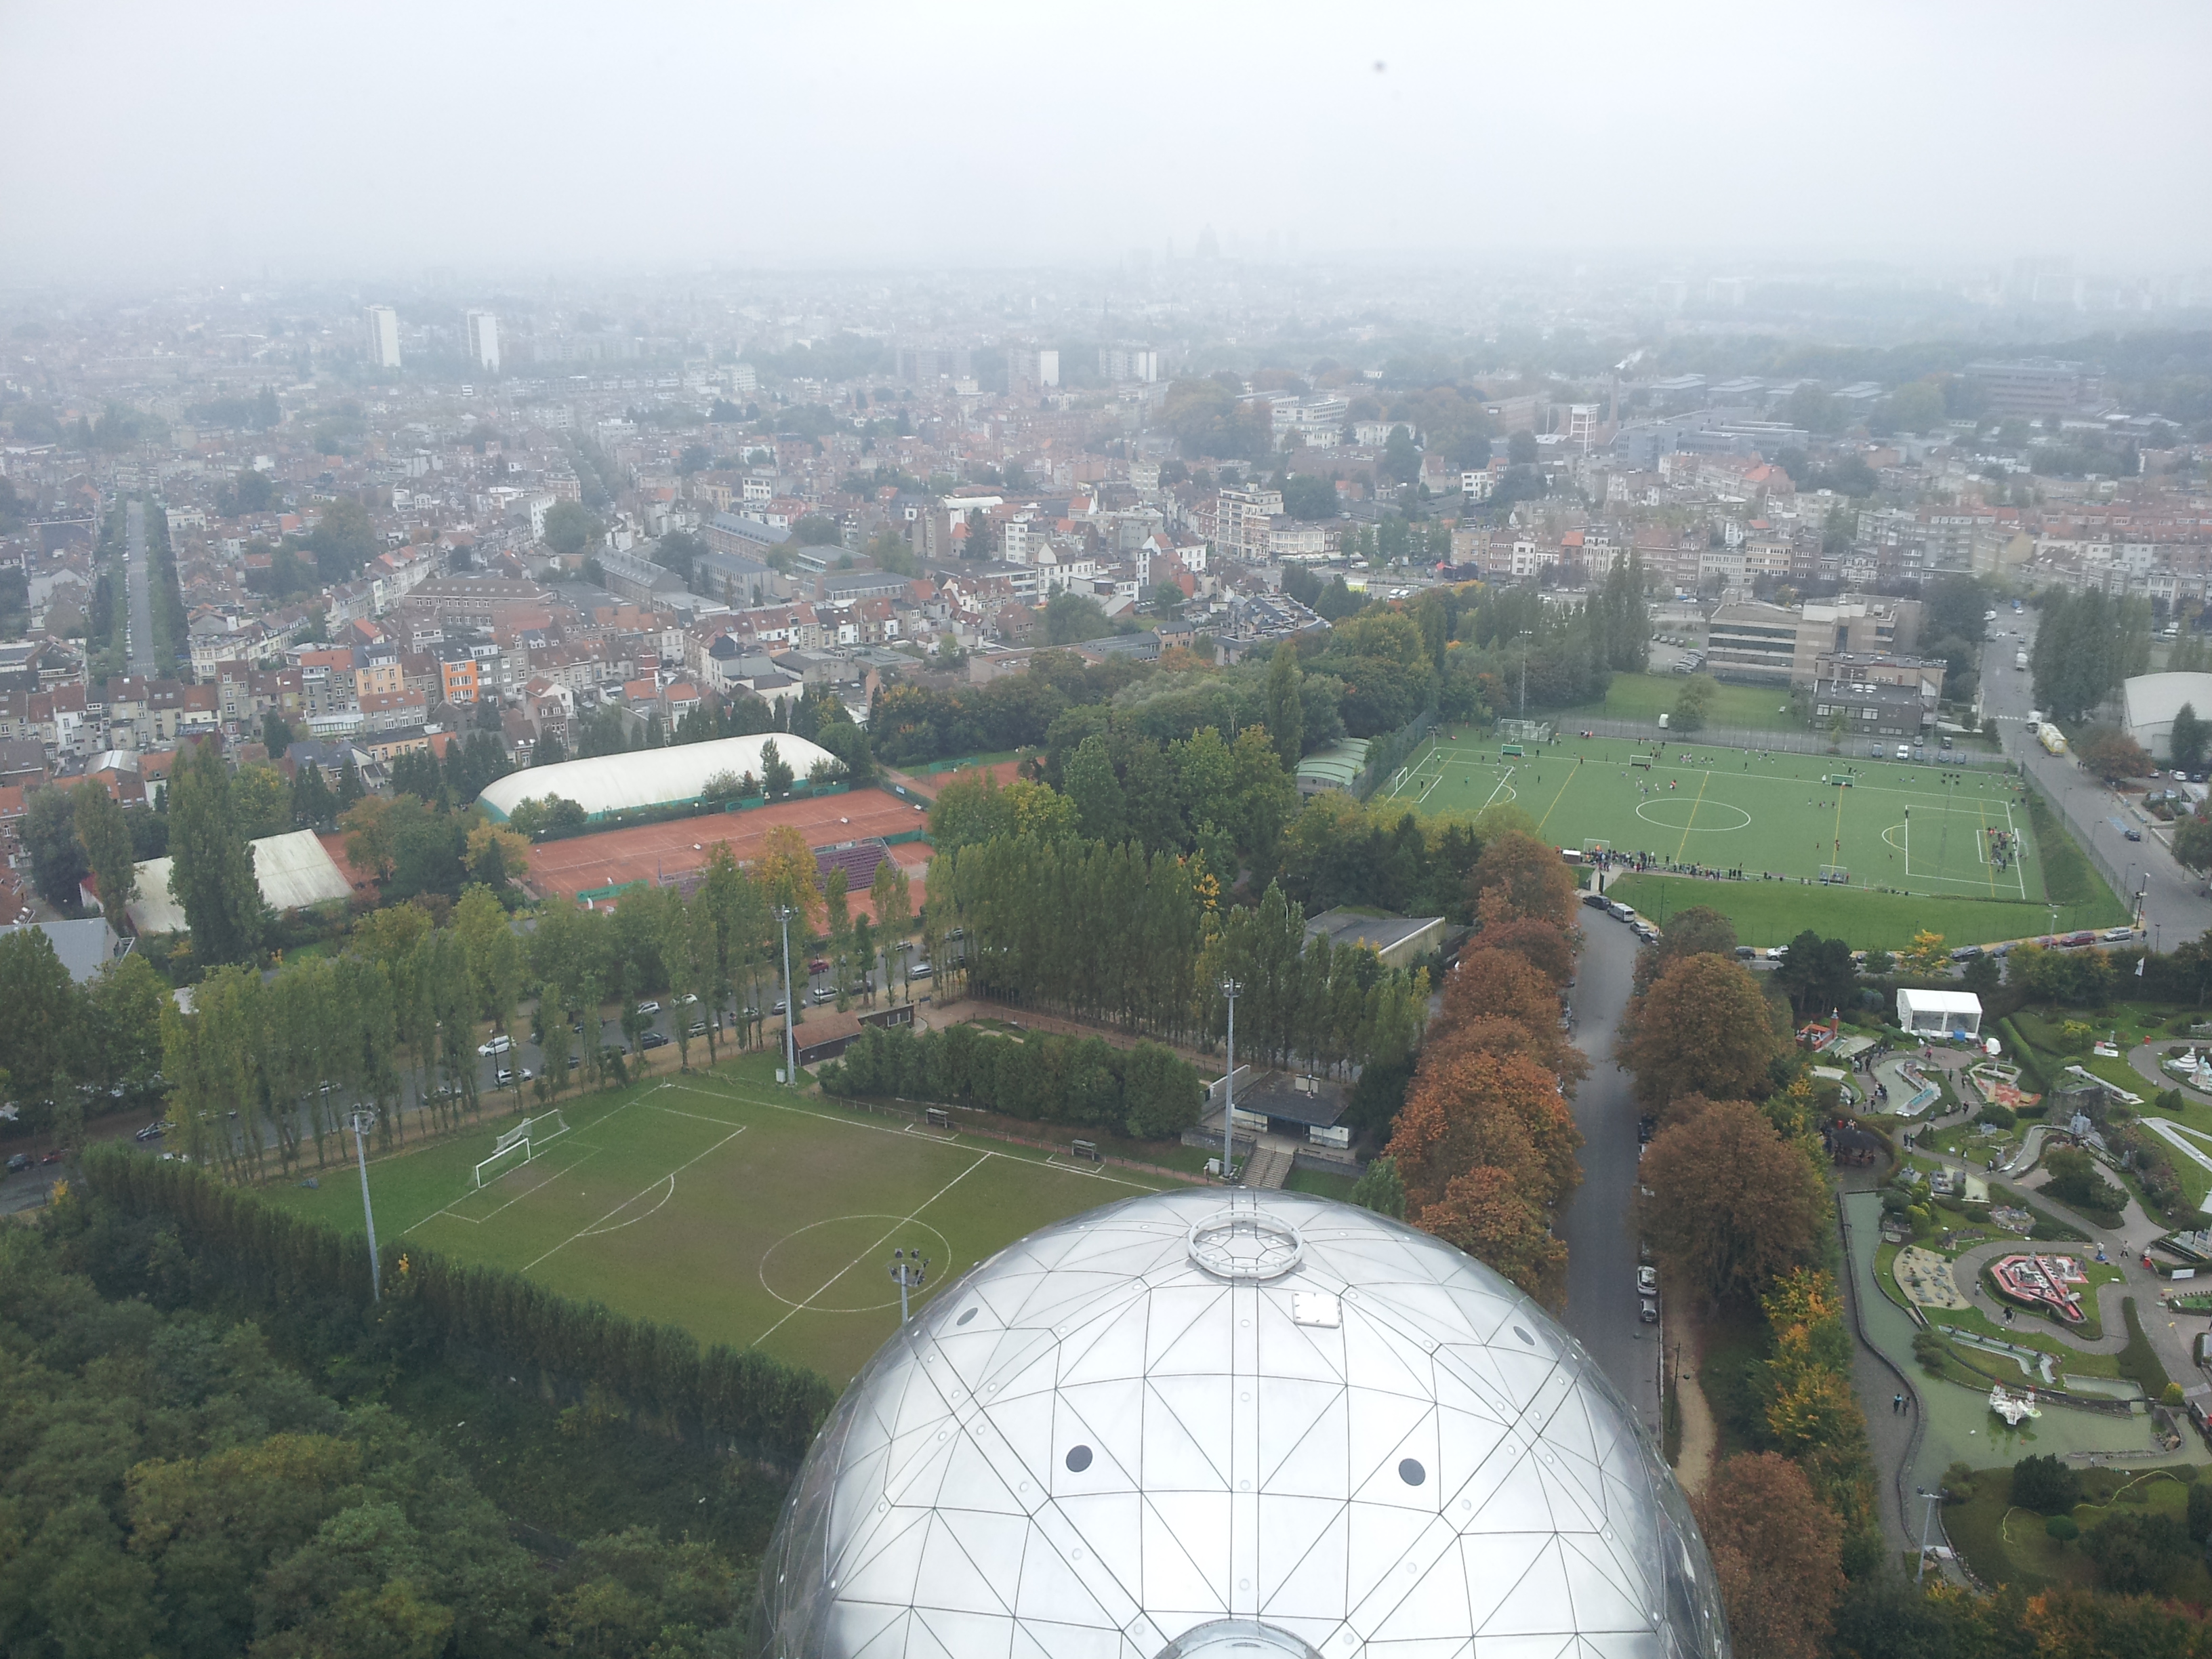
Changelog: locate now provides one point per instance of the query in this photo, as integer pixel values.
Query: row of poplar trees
(1109, 933)
(265, 1074)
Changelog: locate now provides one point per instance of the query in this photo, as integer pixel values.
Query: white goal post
(518, 1145)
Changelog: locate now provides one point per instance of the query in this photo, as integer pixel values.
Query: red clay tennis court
(661, 853)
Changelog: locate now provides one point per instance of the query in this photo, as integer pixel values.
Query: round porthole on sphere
(1412, 1472)
(1079, 1458)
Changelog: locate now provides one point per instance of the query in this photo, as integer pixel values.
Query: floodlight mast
(361, 1123)
(1230, 990)
(909, 1268)
(790, 1004)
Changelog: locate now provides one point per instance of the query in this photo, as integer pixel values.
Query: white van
(1904, 751)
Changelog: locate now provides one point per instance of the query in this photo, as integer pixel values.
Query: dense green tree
(49, 835)
(1102, 811)
(775, 771)
(571, 529)
(1818, 976)
(1286, 714)
(342, 540)
(1310, 498)
(2185, 744)
(212, 873)
(42, 1040)
(105, 838)
(1070, 617)
(2086, 644)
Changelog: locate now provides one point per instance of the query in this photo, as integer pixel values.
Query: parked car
(1595, 899)
(2084, 936)
(18, 1161)
(1943, 742)
(1904, 753)
(498, 1045)
(151, 1132)
(1646, 1127)
(507, 1078)
(1647, 1281)
(823, 993)
(2117, 934)
(654, 1040)
(1744, 953)
(698, 1028)
(1648, 1310)
(819, 965)
(920, 971)
(1618, 911)
(56, 1156)
(648, 1007)
(1966, 953)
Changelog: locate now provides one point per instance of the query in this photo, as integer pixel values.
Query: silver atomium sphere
(1279, 1429)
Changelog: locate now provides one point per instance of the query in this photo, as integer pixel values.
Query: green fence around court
(1385, 755)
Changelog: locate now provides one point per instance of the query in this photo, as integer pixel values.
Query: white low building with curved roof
(650, 777)
(1241, 1425)
(2152, 700)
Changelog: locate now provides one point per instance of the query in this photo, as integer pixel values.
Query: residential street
(1598, 1222)
(2174, 899)
(137, 583)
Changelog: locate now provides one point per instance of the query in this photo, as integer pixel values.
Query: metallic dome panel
(1282, 1428)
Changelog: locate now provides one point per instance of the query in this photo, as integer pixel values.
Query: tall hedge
(485, 1319)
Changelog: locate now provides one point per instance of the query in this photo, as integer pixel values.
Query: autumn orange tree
(1776, 1553)
(1497, 999)
(1733, 1204)
(1530, 877)
(1702, 1028)
(1812, 1413)
(786, 870)
(1484, 1213)
(1544, 944)
(1501, 1110)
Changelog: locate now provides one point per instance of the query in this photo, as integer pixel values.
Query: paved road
(1597, 1222)
(2174, 900)
(138, 583)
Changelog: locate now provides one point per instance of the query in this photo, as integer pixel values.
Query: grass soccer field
(1771, 913)
(721, 1203)
(1894, 828)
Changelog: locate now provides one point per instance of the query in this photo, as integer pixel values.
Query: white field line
(874, 1249)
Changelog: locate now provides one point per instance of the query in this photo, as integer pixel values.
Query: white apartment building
(484, 339)
(1243, 520)
(383, 326)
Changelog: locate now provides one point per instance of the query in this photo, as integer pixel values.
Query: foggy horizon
(577, 144)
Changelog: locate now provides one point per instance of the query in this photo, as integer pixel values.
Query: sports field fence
(1385, 755)
(1792, 743)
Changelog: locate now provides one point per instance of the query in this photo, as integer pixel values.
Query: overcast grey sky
(505, 138)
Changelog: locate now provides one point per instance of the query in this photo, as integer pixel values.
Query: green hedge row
(485, 1318)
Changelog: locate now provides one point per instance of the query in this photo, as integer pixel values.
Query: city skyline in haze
(260, 137)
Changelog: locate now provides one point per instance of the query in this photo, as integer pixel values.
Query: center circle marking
(1743, 818)
(815, 1253)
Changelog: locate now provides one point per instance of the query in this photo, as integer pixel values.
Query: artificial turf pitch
(717, 1201)
(1915, 829)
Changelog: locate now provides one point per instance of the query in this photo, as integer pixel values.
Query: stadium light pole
(1926, 1527)
(790, 1004)
(359, 1122)
(908, 1269)
(1230, 988)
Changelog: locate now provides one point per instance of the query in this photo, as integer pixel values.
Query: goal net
(1594, 847)
(518, 1145)
(1835, 875)
(1525, 731)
